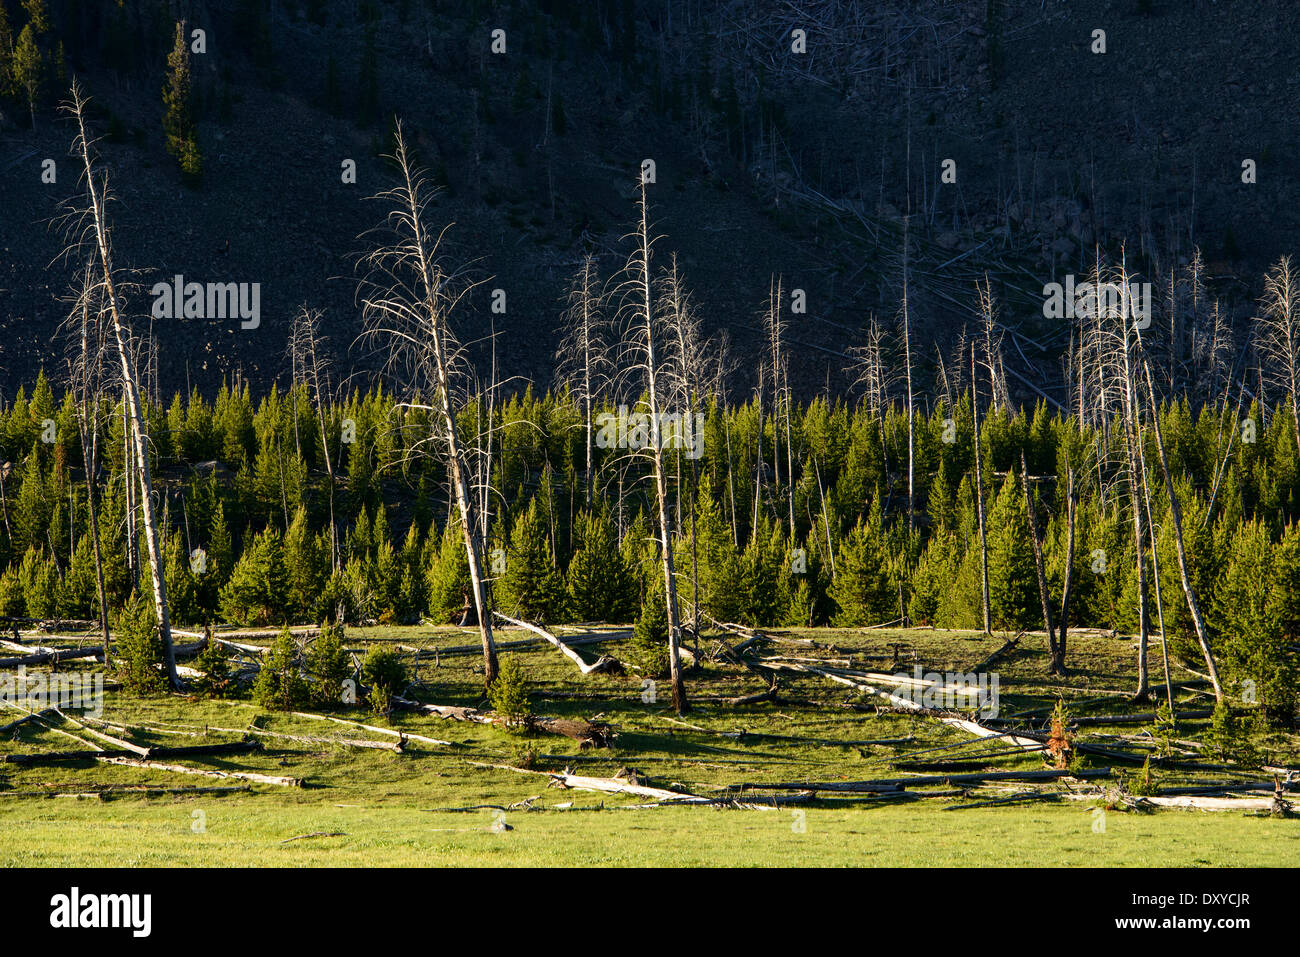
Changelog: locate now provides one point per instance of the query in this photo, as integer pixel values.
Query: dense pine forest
(800, 516)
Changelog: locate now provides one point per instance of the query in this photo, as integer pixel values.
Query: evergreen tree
(139, 648)
(305, 569)
(179, 127)
(256, 591)
(329, 664)
(862, 587)
(28, 69)
(280, 685)
(531, 588)
(1013, 592)
(601, 585)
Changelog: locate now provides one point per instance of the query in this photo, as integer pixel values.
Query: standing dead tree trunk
(86, 374)
(309, 369)
(1175, 511)
(583, 355)
(643, 357)
(979, 496)
(95, 228)
(1280, 334)
(407, 298)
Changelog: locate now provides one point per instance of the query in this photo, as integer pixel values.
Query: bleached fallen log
(457, 650)
(603, 664)
(1214, 803)
(310, 739)
(57, 654)
(926, 780)
(26, 649)
(206, 772)
(580, 782)
(908, 704)
(116, 742)
(58, 757)
(405, 735)
(29, 716)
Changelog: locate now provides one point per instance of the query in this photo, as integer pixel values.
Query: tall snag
(94, 228)
(407, 297)
(643, 358)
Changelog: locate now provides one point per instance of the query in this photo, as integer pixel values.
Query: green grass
(387, 806)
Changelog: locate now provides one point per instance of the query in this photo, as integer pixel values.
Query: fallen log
(194, 751)
(459, 650)
(894, 784)
(580, 782)
(602, 665)
(109, 791)
(30, 716)
(1214, 803)
(309, 739)
(206, 772)
(907, 704)
(116, 742)
(1140, 718)
(1007, 646)
(403, 735)
(53, 657)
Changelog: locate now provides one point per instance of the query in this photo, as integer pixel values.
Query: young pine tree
(179, 127)
(531, 588)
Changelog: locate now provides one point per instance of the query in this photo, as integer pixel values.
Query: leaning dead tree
(407, 297)
(89, 228)
(1175, 511)
(643, 360)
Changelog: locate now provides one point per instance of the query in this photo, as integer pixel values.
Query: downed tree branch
(205, 772)
(403, 735)
(894, 784)
(586, 733)
(603, 665)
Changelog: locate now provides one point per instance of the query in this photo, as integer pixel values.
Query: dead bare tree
(642, 358)
(311, 368)
(90, 228)
(87, 377)
(689, 355)
(1279, 334)
(583, 354)
(407, 297)
(979, 496)
(1175, 511)
(774, 324)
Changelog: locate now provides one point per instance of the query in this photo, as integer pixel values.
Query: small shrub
(1230, 735)
(509, 695)
(329, 665)
(385, 676)
(280, 684)
(139, 648)
(216, 680)
(649, 644)
(1058, 743)
(1145, 783)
